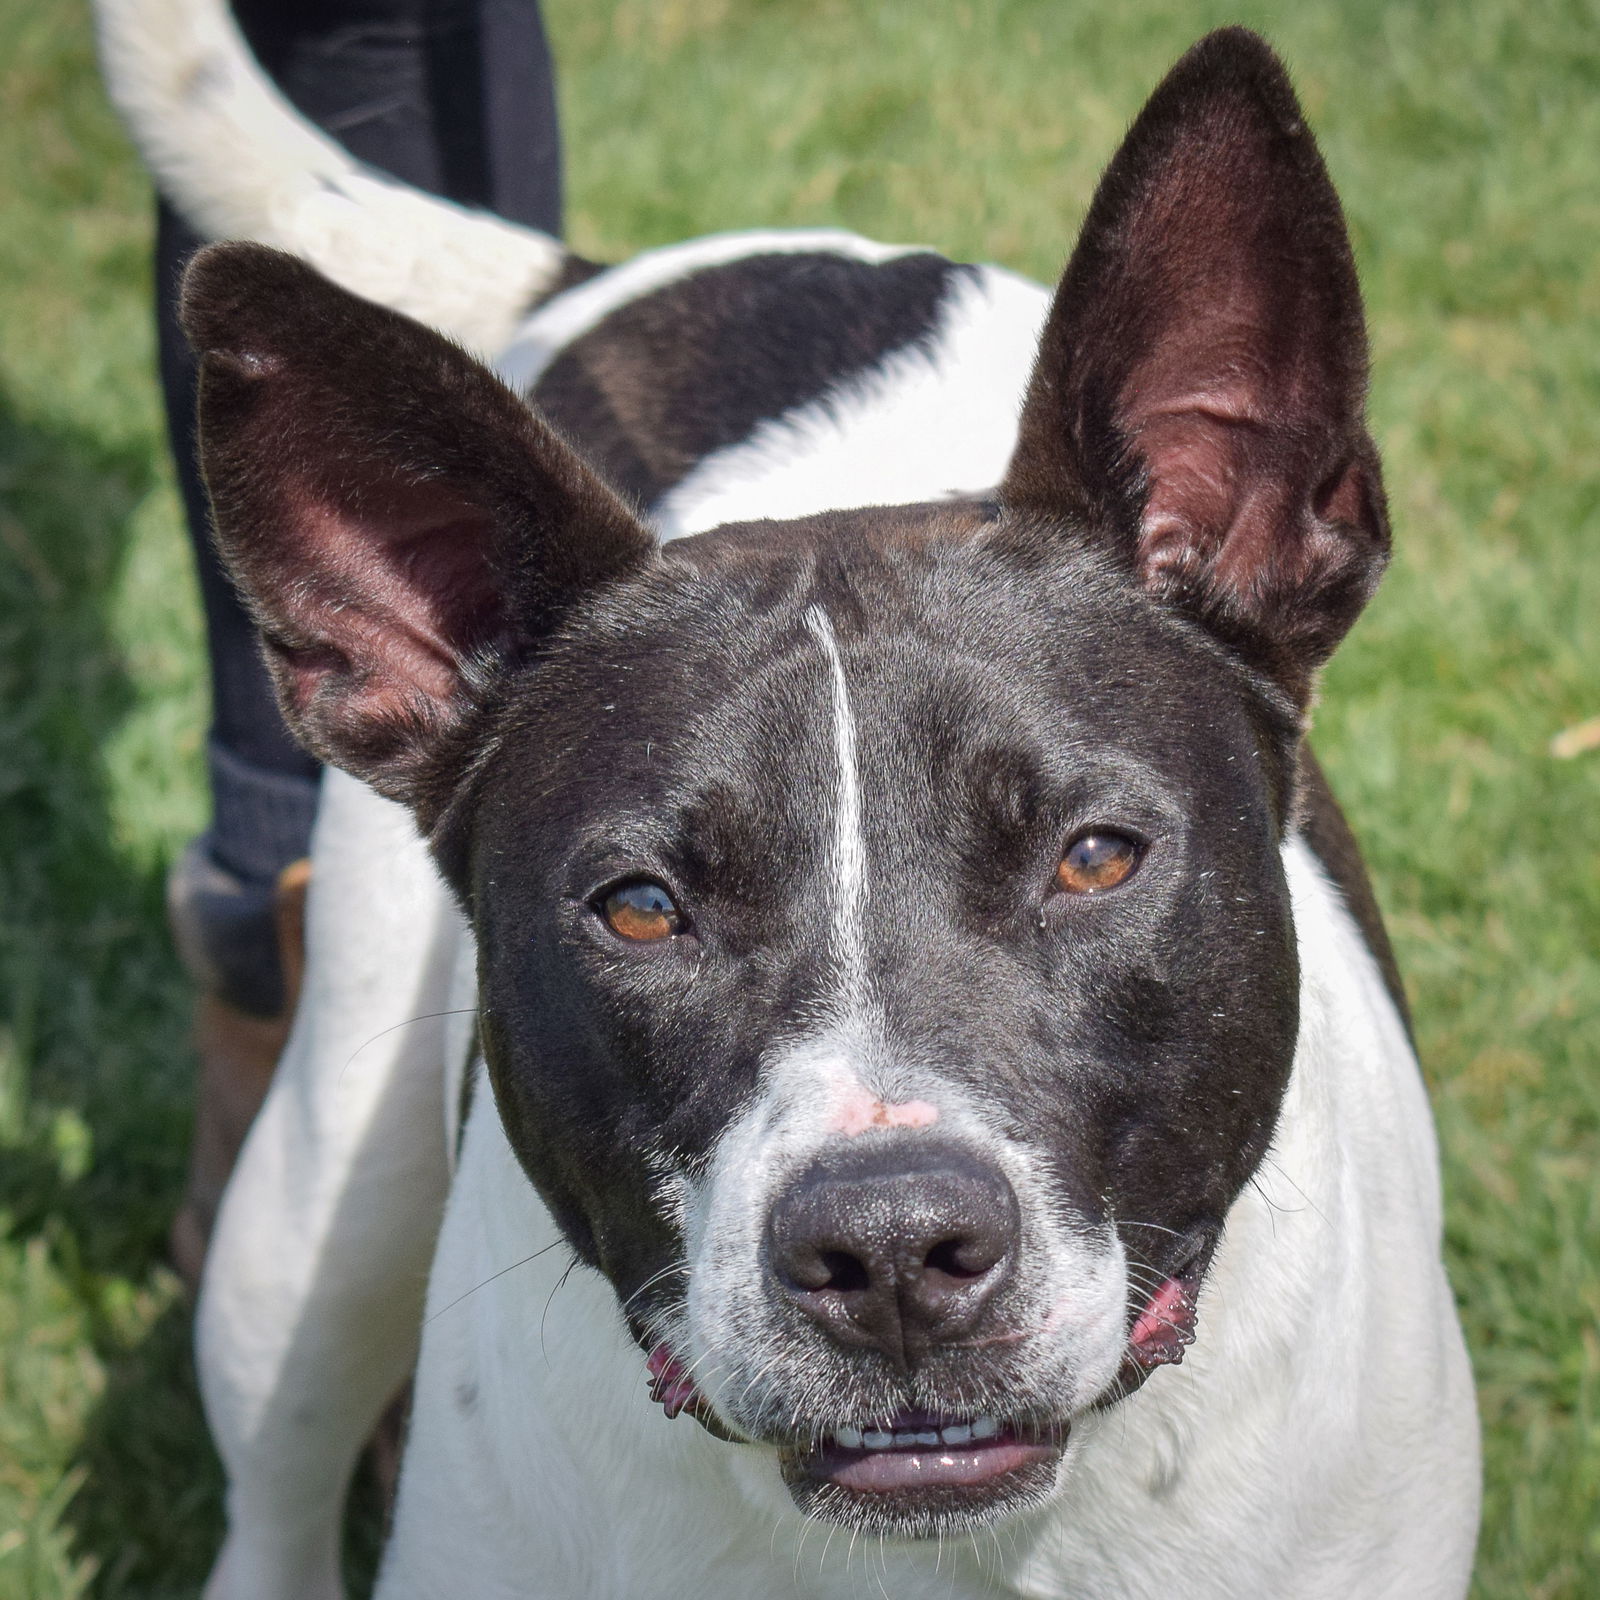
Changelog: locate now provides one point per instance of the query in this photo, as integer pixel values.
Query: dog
(845, 1035)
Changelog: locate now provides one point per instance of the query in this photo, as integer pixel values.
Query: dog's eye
(1096, 861)
(642, 911)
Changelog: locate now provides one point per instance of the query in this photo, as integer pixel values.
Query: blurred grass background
(1466, 142)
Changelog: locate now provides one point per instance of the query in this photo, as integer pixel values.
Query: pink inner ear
(1219, 505)
(1194, 490)
(1219, 428)
(389, 586)
(1234, 373)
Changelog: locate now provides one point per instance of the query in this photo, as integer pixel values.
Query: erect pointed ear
(401, 522)
(1198, 398)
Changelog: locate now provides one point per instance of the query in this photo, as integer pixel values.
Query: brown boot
(238, 1045)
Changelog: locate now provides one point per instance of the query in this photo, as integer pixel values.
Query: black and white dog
(922, 984)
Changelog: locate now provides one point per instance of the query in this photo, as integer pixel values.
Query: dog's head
(887, 971)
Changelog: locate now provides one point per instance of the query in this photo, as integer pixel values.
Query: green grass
(1464, 139)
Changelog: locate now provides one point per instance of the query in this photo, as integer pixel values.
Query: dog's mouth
(1165, 1326)
(673, 1389)
(914, 1473)
(916, 1450)
(922, 1473)
(919, 1473)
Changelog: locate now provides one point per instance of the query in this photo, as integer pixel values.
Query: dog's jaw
(916, 1474)
(922, 1472)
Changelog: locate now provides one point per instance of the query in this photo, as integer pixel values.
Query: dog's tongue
(1165, 1328)
(670, 1386)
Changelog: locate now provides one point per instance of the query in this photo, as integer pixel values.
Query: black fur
(1141, 1039)
(680, 373)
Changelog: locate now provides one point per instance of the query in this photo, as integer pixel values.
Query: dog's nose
(895, 1244)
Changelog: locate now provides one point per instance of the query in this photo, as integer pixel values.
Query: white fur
(1318, 1443)
(308, 1320)
(849, 856)
(239, 162)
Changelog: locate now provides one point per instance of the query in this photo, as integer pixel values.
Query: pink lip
(671, 1387)
(1165, 1328)
(942, 1466)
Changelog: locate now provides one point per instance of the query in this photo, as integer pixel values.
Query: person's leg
(454, 96)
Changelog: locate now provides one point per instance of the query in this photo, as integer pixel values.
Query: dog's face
(883, 996)
(887, 971)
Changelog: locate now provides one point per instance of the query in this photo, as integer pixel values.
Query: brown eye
(642, 911)
(1097, 861)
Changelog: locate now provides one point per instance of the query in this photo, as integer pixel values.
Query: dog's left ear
(1197, 406)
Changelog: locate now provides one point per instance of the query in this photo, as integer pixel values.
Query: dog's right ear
(402, 524)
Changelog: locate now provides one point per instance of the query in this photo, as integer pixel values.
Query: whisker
(1156, 1226)
(827, 1545)
(800, 1550)
(546, 1312)
(654, 1279)
(543, 1250)
(427, 1016)
(756, 1378)
(1283, 1173)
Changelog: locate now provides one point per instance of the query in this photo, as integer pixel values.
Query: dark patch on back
(1324, 828)
(667, 379)
(575, 269)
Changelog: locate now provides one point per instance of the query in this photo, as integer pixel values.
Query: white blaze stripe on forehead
(849, 848)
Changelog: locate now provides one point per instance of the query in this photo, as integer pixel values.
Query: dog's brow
(849, 856)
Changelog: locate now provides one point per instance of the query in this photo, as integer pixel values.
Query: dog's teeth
(958, 1433)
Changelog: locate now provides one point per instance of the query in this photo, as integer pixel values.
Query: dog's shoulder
(655, 365)
(1323, 826)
